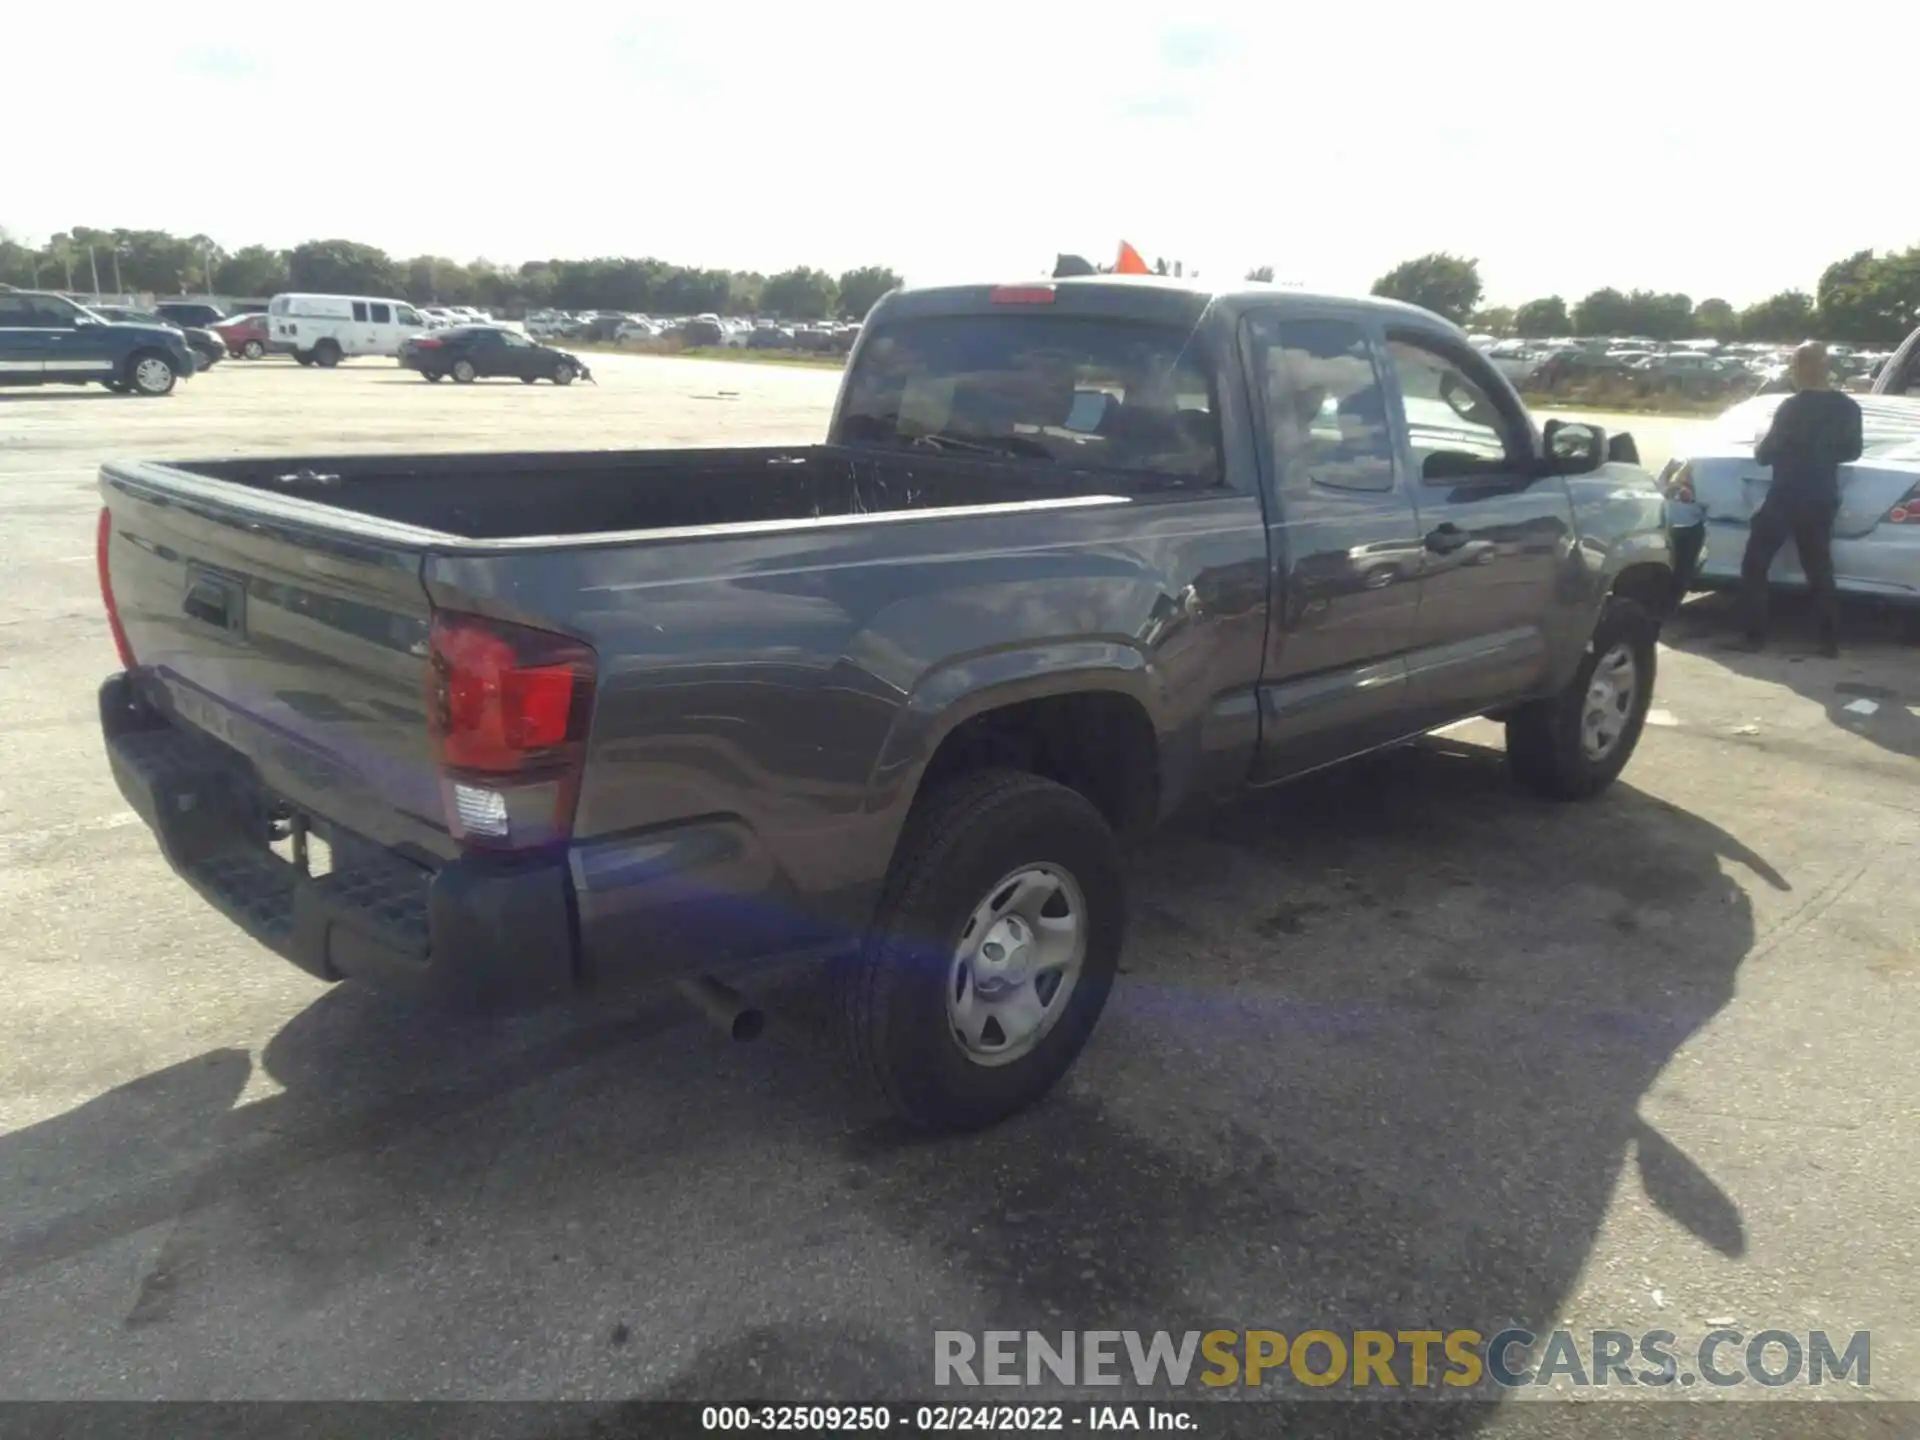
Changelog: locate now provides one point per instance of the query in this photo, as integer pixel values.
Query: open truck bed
(288, 627)
(537, 498)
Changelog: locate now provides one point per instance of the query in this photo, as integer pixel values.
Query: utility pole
(119, 290)
(94, 261)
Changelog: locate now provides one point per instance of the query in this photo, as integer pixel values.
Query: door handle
(1447, 538)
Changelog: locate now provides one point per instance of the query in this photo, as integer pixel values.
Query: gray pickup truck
(1076, 555)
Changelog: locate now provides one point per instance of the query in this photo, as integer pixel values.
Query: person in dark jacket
(1815, 431)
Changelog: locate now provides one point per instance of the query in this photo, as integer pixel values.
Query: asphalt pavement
(1393, 1047)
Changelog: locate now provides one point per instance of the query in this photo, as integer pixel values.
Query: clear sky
(1716, 148)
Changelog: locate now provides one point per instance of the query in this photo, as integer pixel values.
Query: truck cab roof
(1161, 298)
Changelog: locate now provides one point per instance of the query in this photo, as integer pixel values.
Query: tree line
(153, 261)
(1863, 299)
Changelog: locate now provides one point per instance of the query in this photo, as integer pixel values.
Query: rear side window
(360, 311)
(382, 314)
(1054, 390)
(1326, 413)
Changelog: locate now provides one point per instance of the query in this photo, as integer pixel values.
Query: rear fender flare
(949, 696)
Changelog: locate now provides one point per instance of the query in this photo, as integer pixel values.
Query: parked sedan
(1876, 532)
(473, 352)
(246, 336)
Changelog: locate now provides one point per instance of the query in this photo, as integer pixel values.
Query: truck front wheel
(1573, 745)
(993, 953)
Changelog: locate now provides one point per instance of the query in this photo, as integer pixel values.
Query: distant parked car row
(1699, 369)
(705, 331)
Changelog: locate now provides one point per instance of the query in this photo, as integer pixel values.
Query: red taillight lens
(425, 344)
(508, 708)
(1906, 510)
(1021, 295)
(102, 543)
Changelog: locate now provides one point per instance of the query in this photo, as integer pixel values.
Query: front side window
(1325, 410)
(1106, 394)
(1450, 412)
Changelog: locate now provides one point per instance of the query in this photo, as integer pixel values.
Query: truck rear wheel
(326, 354)
(1573, 745)
(993, 952)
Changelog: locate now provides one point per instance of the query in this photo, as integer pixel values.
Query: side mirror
(1574, 449)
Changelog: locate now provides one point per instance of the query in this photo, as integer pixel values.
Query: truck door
(1497, 561)
(1343, 545)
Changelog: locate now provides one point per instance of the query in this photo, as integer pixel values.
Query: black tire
(303, 357)
(118, 387)
(528, 379)
(463, 372)
(326, 354)
(892, 1006)
(563, 373)
(253, 350)
(1544, 737)
(433, 375)
(150, 374)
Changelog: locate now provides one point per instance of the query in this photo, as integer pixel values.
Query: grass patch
(804, 359)
(1675, 406)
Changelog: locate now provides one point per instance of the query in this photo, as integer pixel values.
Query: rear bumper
(1884, 563)
(479, 932)
(474, 933)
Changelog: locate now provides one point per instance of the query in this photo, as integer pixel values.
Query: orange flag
(1130, 262)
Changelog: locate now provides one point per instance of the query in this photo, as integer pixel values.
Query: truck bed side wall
(767, 703)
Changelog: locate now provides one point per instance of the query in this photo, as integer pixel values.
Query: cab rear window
(1047, 389)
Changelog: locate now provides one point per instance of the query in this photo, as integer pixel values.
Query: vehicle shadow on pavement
(1375, 1061)
(35, 395)
(1879, 660)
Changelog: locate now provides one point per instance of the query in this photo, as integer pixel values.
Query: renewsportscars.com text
(1400, 1359)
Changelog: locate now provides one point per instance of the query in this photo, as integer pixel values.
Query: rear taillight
(508, 708)
(421, 342)
(102, 543)
(1906, 510)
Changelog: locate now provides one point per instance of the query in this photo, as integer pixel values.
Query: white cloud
(1661, 145)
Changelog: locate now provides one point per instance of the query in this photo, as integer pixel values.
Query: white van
(326, 329)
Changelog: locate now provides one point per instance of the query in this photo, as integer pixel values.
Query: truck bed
(530, 496)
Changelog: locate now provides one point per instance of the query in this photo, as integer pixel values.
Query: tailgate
(303, 649)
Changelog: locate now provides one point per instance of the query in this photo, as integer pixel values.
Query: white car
(1876, 534)
(636, 328)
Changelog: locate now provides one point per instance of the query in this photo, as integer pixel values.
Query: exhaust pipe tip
(725, 1008)
(748, 1024)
